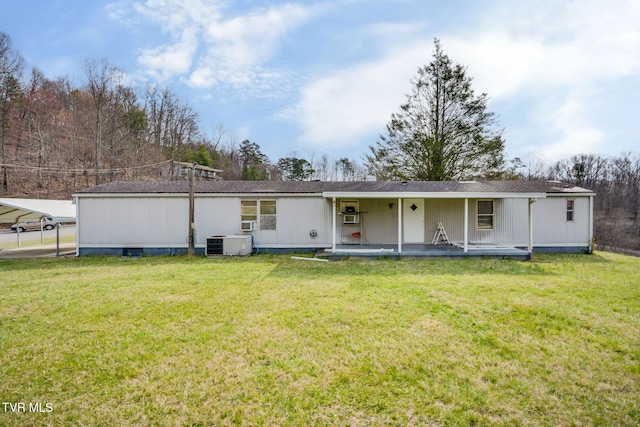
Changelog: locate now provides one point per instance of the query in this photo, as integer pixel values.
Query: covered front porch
(495, 224)
(455, 250)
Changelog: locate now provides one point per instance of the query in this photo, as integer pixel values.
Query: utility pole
(192, 224)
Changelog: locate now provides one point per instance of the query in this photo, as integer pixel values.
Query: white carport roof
(20, 210)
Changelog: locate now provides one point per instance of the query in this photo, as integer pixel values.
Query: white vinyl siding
(297, 217)
(155, 221)
(550, 225)
(450, 212)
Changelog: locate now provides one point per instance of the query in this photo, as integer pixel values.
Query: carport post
(18, 227)
(57, 239)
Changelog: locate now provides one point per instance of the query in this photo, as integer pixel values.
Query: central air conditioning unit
(248, 225)
(229, 245)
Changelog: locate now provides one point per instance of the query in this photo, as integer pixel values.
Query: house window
(570, 210)
(258, 212)
(249, 210)
(267, 214)
(485, 214)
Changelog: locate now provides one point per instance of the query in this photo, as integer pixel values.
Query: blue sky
(323, 77)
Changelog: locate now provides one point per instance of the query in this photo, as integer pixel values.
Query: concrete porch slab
(427, 251)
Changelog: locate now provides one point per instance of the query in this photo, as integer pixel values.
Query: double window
(259, 212)
(485, 215)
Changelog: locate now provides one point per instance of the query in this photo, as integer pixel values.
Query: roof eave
(197, 194)
(571, 194)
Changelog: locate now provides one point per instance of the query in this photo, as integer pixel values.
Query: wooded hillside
(57, 136)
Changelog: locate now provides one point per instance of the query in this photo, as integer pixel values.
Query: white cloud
(555, 57)
(176, 16)
(576, 134)
(336, 110)
(252, 38)
(182, 21)
(207, 48)
(165, 62)
(238, 48)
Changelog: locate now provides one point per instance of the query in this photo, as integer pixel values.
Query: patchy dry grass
(31, 241)
(272, 341)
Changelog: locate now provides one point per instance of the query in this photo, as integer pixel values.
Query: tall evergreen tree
(294, 169)
(442, 132)
(254, 162)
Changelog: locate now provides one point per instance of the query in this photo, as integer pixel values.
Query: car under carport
(14, 211)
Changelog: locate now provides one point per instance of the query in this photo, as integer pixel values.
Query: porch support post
(530, 245)
(465, 243)
(399, 225)
(334, 219)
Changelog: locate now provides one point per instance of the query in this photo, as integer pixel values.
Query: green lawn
(31, 241)
(272, 341)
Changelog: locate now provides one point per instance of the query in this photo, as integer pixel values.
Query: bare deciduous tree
(11, 65)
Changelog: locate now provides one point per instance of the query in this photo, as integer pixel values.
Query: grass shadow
(595, 257)
(284, 266)
(18, 264)
(391, 267)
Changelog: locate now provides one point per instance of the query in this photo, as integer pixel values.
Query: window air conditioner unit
(350, 219)
(248, 225)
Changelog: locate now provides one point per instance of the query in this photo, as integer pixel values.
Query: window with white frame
(485, 215)
(570, 209)
(254, 213)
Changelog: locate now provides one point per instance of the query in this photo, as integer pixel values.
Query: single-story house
(394, 218)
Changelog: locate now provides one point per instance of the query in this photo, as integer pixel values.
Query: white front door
(413, 220)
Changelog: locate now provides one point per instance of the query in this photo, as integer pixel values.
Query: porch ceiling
(431, 195)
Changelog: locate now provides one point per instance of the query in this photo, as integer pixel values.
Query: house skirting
(562, 250)
(342, 251)
(136, 251)
(172, 251)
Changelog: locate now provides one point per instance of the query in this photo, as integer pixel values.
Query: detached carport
(14, 211)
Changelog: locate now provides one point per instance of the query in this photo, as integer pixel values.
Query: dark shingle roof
(310, 187)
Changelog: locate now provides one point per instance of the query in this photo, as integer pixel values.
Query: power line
(82, 171)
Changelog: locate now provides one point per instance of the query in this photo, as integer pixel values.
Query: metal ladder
(440, 235)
